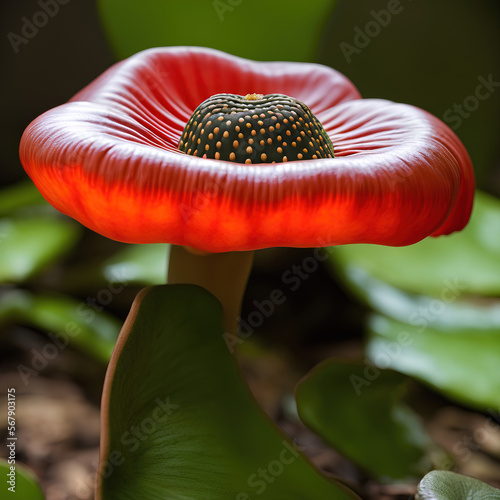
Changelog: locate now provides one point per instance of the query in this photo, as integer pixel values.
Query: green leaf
(384, 54)
(445, 485)
(461, 363)
(259, 29)
(439, 330)
(28, 245)
(357, 409)
(179, 422)
(26, 485)
(469, 259)
(448, 312)
(80, 324)
(20, 196)
(139, 264)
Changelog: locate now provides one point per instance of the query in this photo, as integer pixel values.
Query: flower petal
(109, 159)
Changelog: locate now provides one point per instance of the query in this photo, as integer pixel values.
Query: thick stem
(225, 275)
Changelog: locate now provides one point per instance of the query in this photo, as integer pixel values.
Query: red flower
(110, 159)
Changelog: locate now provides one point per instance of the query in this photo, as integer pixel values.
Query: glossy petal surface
(109, 159)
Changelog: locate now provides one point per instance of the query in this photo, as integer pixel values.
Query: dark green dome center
(255, 129)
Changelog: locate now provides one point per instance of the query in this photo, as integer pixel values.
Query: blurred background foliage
(430, 312)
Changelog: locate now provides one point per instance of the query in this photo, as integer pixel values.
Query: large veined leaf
(461, 363)
(358, 410)
(464, 263)
(446, 485)
(28, 245)
(440, 56)
(261, 30)
(179, 422)
(21, 479)
(81, 324)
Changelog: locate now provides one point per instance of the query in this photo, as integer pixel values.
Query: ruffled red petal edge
(109, 159)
